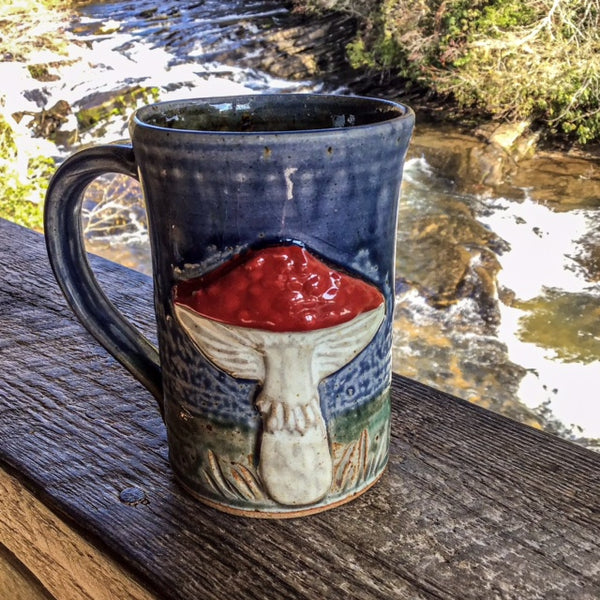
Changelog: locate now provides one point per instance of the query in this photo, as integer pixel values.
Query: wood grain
(17, 582)
(473, 505)
(68, 566)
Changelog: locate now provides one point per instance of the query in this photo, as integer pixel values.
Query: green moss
(503, 15)
(385, 54)
(118, 105)
(7, 140)
(39, 72)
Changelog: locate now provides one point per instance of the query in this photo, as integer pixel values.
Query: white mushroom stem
(295, 462)
(278, 416)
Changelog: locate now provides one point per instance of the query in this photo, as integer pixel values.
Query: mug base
(285, 512)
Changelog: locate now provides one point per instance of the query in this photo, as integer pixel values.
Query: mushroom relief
(280, 288)
(282, 317)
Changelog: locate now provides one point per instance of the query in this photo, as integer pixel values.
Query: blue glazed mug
(272, 224)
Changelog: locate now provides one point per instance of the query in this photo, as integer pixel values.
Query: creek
(498, 264)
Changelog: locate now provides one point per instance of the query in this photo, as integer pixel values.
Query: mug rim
(403, 113)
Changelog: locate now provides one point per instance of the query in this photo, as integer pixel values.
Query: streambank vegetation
(29, 29)
(536, 61)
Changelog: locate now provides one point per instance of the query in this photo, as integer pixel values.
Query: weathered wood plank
(69, 566)
(17, 582)
(473, 505)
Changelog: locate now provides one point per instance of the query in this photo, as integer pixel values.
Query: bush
(27, 27)
(537, 60)
(21, 194)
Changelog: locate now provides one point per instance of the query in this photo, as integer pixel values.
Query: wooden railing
(473, 505)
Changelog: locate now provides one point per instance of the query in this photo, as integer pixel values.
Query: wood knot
(132, 496)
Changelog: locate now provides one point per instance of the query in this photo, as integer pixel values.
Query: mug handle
(68, 258)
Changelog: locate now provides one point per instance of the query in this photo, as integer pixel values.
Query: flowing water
(541, 343)
(497, 293)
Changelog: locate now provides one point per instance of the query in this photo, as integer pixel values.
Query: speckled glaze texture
(327, 177)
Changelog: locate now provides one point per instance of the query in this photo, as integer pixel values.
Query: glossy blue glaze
(221, 176)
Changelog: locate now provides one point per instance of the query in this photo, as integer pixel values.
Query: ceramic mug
(272, 223)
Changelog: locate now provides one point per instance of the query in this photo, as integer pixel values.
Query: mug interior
(270, 113)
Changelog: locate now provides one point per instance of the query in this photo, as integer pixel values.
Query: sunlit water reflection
(538, 363)
(549, 309)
